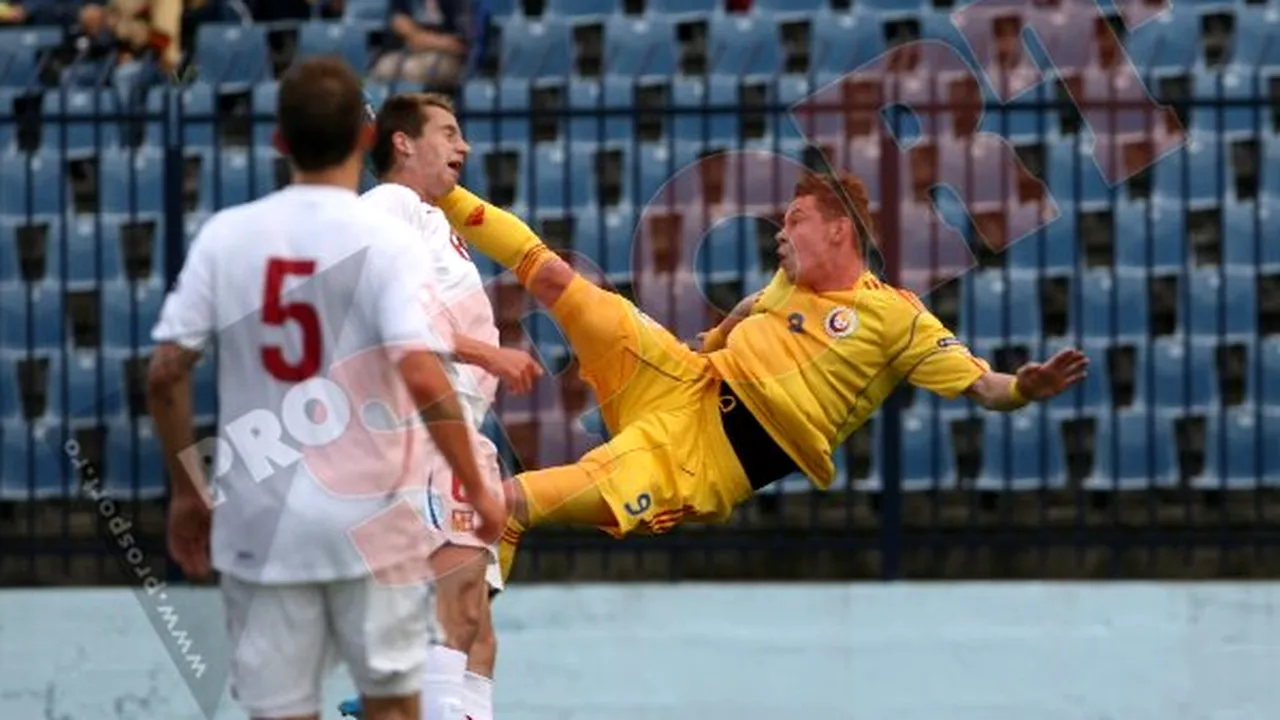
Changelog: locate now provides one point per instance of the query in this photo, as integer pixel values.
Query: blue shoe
(351, 708)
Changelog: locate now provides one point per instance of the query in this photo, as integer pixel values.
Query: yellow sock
(492, 230)
(507, 546)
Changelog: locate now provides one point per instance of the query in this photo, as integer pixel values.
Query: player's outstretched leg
(589, 315)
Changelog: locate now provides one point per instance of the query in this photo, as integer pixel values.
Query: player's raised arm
(930, 357)
(186, 323)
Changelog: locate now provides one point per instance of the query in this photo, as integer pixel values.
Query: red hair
(840, 195)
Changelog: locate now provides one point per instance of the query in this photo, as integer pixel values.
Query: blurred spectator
(12, 14)
(428, 44)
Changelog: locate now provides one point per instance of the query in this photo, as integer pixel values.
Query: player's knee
(517, 503)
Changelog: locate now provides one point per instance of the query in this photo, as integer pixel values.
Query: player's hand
(188, 534)
(1046, 380)
(515, 368)
(492, 509)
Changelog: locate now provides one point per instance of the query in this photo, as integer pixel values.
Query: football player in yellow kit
(782, 381)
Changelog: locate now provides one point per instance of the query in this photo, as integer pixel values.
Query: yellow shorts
(668, 459)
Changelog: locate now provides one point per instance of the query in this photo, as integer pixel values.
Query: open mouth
(456, 166)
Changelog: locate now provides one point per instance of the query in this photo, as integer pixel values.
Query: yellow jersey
(812, 367)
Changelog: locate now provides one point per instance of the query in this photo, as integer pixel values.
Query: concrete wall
(711, 652)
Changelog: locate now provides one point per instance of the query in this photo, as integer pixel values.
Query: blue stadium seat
(19, 67)
(581, 7)
(1268, 359)
(265, 96)
(788, 7)
(94, 386)
(1066, 159)
(10, 390)
(232, 55)
(613, 95)
(1169, 43)
(128, 313)
(31, 316)
(1223, 100)
(131, 183)
(1234, 440)
(507, 103)
(233, 177)
(743, 45)
(1134, 450)
(41, 176)
(1049, 246)
(843, 41)
(554, 186)
(1245, 229)
(1150, 234)
(1200, 170)
(191, 116)
(1021, 452)
(728, 250)
(1176, 375)
(31, 467)
(81, 132)
(1110, 305)
(641, 46)
(928, 458)
(995, 306)
(536, 48)
(374, 12)
(604, 239)
(333, 38)
(679, 8)
(133, 467)
(707, 109)
(1215, 304)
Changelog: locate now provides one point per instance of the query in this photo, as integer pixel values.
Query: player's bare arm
(715, 338)
(1034, 382)
(169, 403)
(516, 368)
(429, 386)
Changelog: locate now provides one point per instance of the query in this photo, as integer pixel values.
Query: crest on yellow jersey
(840, 322)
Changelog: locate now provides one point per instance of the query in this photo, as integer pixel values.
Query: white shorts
(452, 518)
(287, 638)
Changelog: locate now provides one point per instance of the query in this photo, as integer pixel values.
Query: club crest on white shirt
(840, 322)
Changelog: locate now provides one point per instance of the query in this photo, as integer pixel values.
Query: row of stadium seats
(1171, 376)
(762, 43)
(1122, 450)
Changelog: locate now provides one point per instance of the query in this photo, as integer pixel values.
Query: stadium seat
(1093, 395)
(1216, 304)
(1072, 173)
(30, 463)
(32, 185)
(1040, 241)
(599, 107)
(541, 48)
(603, 238)
(232, 55)
(554, 185)
(31, 317)
(19, 67)
(1110, 305)
(1169, 43)
(995, 305)
(841, 42)
(573, 8)
(372, 12)
(679, 8)
(928, 457)
(333, 38)
(265, 96)
(191, 116)
(94, 386)
(787, 7)
(1021, 451)
(132, 183)
(11, 406)
(638, 47)
(133, 468)
(43, 232)
(743, 46)
(1150, 234)
(728, 250)
(707, 109)
(1246, 227)
(205, 386)
(1176, 375)
(505, 105)
(1233, 442)
(77, 121)
(1133, 450)
(1200, 170)
(128, 313)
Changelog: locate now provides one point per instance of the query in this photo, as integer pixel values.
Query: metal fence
(1142, 236)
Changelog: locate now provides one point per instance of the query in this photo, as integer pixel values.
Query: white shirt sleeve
(189, 314)
(408, 309)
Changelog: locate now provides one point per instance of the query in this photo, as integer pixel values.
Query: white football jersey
(458, 286)
(311, 298)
